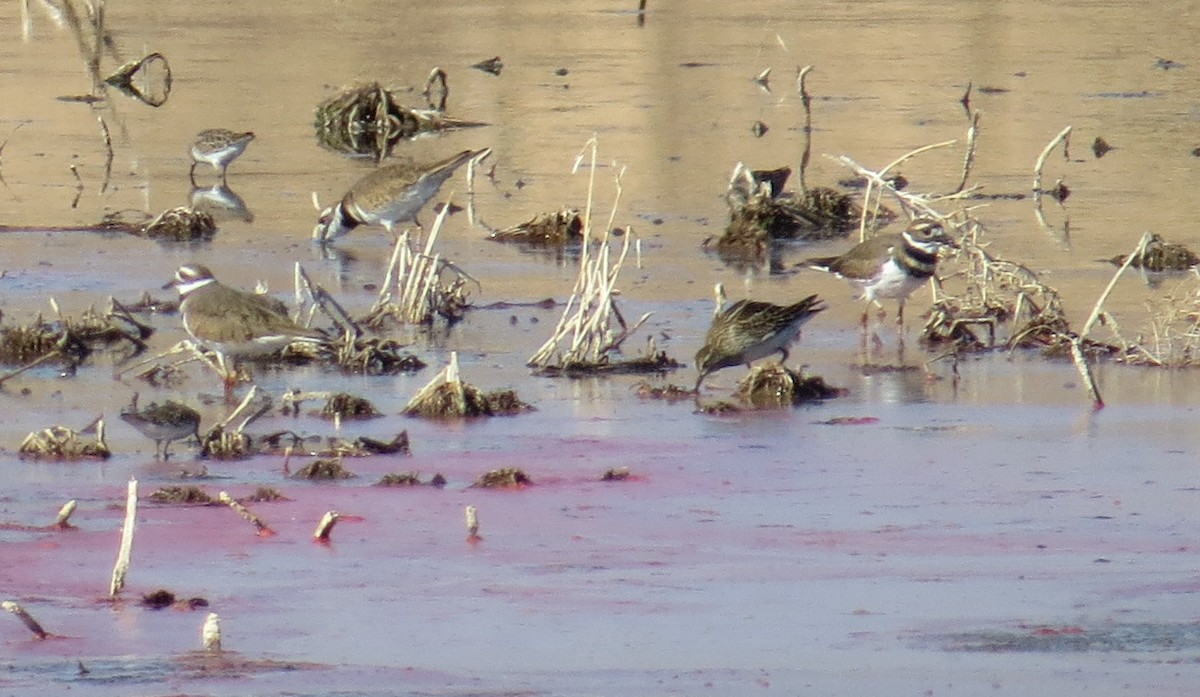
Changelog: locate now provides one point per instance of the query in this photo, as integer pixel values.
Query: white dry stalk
(126, 550)
(1063, 137)
(877, 186)
(26, 618)
(1112, 283)
(244, 512)
(325, 527)
(210, 633)
(472, 522)
(412, 278)
(64, 513)
(448, 376)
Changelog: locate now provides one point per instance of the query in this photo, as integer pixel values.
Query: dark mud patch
(1127, 638)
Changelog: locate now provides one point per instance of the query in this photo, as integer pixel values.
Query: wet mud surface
(945, 525)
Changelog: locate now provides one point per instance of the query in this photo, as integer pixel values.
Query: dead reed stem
(585, 323)
(325, 527)
(26, 618)
(210, 633)
(1063, 137)
(472, 524)
(260, 526)
(806, 103)
(64, 514)
(1098, 308)
(126, 550)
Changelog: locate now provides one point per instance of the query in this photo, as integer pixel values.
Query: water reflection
(221, 202)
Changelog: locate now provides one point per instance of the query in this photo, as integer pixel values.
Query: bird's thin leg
(192, 173)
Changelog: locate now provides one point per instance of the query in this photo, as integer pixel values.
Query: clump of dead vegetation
(324, 469)
(419, 285)
(503, 478)
(761, 212)
(343, 406)
(554, 230)
(774, 386)
(409, 479)
(70, 340)
(670, 393)
(182, 496)
(224, 441)
(447, 396)
(592, 329)
(66, 445)
(180, 224)
(1157, 255)
(370, 120)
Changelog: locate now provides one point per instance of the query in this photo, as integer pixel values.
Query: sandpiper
(390, 195)
(162, 423)
(218, 147)
(233, 323)
(749, 330)
(890, 266)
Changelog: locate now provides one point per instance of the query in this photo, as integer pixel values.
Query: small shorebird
(890, 266)
(218, 147)
(749, 330)
(233, 323)
(162, 423)
(390, 195)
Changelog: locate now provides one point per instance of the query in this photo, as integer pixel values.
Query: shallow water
(938, 547)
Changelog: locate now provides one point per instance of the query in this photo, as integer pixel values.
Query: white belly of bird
(781, 340)
(892, 283)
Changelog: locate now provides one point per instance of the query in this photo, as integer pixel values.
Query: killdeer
(890, 266)
(218, 147)
(162, 423)
(390, 195)
(233, 323)
(749, 330)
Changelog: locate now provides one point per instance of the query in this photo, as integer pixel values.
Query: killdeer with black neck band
(749, 330)
(891, 266)
(390, 195)
(233, 323)
(218, 147)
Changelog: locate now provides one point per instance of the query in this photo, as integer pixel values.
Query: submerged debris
(775, 386)
(671, 393)
(406, 479)
(323, 468)
(396, 446)
(344, 406)
(64, 444)
(148, 79)
(504, 478)
(182, 495)
(557, 229)
(1160, 255)
(616, 474)
(265, 494)
(369, 120)
(491, 65)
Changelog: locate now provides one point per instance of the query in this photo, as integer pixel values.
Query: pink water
(985, 535)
